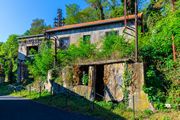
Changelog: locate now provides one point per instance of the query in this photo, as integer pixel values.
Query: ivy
(127, 78)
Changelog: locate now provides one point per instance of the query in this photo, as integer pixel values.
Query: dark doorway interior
(84, 70)
(99, 86)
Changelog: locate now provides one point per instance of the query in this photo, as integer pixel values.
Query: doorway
(99, 85)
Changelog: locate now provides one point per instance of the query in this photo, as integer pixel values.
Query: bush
(148, 112)
(85, 79)
(116, 47)
(42, 62)
(113, 47)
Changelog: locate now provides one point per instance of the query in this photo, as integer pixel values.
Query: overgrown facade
(105, 79)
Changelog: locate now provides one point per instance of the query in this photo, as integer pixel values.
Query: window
(64, 43)
(86, 38)
(84, 77)
(32, 50)
(112, 33)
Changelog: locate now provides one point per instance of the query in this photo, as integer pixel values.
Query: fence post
(29, 89)
(40, 89)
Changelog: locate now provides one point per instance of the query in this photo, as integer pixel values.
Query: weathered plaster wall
(23, 44)
(140, 98)
(113, 79)
(113, 83)
(97, 32)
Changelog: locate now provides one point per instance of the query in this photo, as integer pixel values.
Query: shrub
(85, 79)
(115, 46)
(42, 62)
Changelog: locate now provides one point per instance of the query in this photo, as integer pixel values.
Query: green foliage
(32, 52)
(148, 112)
(113, 47)
(74, 53)
(85, 79)
(9, 54)
(98, 10)
(72, 11)
(54, 73)
(127, 79)
(38, 26)
(42, 62)
(116, 47)
(156, 51)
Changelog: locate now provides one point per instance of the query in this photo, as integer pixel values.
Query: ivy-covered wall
(121, 81)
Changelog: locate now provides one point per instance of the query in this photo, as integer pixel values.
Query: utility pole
(173, 45)
(136, 30)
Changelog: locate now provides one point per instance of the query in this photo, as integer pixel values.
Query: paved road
(12, 108)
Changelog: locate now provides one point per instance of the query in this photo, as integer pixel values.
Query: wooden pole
(136, 31)
(173, 45)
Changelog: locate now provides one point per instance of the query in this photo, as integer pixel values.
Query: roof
(31, 36)
(99, 22)
(106, 62)
(86, 24)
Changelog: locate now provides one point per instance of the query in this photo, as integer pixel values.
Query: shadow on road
(67, 106)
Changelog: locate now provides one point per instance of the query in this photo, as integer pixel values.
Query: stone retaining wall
(113, 80)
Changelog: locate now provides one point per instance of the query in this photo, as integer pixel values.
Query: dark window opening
(112, 33)
(99, 85)
(84, 75)
(86, 39)
(32, 50)
(64, 43)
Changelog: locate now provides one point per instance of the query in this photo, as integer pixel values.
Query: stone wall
(113, 83)
(136, 90)
(97, 33)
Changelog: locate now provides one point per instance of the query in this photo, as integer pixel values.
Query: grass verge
(104, 110)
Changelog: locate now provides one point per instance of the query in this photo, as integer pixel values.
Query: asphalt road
(13, 108)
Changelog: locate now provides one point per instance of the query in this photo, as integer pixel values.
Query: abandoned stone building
(105, 77)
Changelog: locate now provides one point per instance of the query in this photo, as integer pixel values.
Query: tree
(9, 57)
(115, 8)
(38, 26)
(98, 5)
(76, 15)
(41, 62)
(161, 75)
(154, 12)
(72, 14)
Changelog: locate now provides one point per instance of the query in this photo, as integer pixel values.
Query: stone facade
(24, 45)
(136, 89)
(71, 34)
(113, 83)
(113, 80)
(97, 33)
(106, 80)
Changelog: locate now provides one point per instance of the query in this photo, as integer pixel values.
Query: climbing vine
(127, 78)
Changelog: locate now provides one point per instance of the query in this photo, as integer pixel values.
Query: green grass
(74, 104)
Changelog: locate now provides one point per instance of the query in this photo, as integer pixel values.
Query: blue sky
(16, 15)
